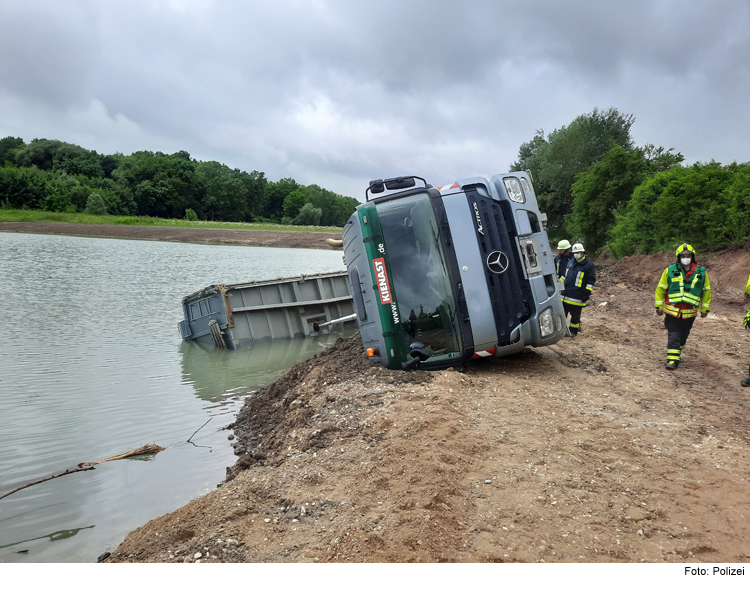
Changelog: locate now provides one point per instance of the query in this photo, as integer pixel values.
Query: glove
(659, 311)
(746, 322)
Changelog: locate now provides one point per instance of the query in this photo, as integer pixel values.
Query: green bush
(95, 205)
(598, 192)
(685, 204)
(190, 215)
(259, 219)
(738, 194)
(309, 215)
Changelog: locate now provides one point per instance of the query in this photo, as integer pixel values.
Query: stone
(637, 514)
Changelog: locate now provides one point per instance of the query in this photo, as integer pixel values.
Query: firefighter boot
(746, 381)
(673, 358)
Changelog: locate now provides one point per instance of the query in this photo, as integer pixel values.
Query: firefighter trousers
(575, 316)
(678, 330)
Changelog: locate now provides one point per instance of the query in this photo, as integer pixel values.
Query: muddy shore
(585, 451)
(278, 238)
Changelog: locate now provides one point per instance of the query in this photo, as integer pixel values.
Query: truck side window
(534, 222)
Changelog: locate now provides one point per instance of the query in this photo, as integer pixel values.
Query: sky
(337, 93)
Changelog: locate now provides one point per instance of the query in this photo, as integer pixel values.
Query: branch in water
(149, 448)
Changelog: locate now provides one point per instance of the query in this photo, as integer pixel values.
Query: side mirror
(399, 183)
(377, 186)
(417, 350)
(394, 184)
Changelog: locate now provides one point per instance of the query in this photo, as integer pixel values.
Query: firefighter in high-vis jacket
(683, 291)
(562, 259)
(578, 284)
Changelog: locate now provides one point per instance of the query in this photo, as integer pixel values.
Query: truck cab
(441, 276)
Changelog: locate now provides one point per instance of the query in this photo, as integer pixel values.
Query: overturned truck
(443, 275)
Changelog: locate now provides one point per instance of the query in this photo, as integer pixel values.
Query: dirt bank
(585, 451)
(287, 239)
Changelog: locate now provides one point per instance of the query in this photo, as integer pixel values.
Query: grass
(34, 215)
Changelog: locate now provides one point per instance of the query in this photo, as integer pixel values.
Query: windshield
(419, 276)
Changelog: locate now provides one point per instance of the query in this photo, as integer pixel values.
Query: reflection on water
(215, 373)
(62, 534)
(19, 515)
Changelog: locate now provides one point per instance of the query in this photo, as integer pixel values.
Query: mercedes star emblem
(497, 262)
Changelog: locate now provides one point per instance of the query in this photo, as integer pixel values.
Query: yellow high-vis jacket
(679, 296)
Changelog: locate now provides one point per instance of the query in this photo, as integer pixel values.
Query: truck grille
(510, 293)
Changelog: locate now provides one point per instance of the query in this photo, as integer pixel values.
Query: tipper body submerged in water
(244, 314)
(443, 275)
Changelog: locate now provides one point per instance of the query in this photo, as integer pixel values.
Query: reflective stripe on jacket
(680, 294)
(561, 264)
(747, 287)
(580, 277)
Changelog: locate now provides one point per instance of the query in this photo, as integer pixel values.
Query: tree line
(58, 176)
(597, 187)
(594, 183)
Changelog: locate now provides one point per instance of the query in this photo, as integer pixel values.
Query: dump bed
(238, 315)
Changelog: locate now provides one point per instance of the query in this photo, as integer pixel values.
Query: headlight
(514, 190)
(546, 324)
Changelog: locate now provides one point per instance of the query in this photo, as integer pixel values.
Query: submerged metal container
(243, 314)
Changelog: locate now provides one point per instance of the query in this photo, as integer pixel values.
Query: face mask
(686, 262)
(578, 256)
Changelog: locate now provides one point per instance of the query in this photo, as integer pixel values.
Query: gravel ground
(586, 451)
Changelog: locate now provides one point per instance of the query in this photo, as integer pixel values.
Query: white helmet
(563, 245)
(578, 247)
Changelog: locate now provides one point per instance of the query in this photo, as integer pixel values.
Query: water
(92, 365)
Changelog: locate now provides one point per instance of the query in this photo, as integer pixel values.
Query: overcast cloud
(340, 92)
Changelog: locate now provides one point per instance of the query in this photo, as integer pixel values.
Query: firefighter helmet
(563, 245)
(578, 247)
(685, 248)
